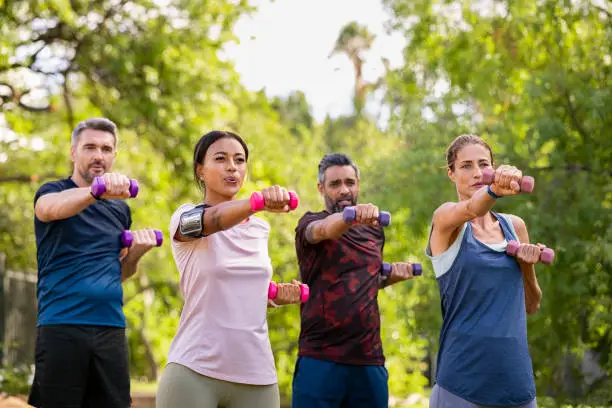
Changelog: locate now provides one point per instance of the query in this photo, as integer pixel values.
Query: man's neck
(78, 180)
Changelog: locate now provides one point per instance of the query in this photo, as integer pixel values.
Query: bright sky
(285, 46)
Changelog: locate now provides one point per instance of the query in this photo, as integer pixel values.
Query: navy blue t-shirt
(79, 273)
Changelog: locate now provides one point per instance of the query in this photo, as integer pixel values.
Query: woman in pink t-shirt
(221, 355)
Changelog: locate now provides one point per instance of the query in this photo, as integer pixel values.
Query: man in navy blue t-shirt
(81, 349)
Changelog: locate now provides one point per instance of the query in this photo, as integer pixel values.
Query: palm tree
(353, 41)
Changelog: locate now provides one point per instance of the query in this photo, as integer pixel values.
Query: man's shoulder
(313, 216)
(57, 185)
(54, 187)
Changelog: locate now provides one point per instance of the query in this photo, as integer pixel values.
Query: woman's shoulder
(187, 207)
(517, 222)
(260, 222)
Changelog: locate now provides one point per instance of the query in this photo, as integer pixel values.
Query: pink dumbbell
(304, 291)
(257, 201)
(546, 257)
(127, 238)
(98, 188)
(527, 182)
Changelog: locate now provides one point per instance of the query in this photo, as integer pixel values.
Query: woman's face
(467, 173)
(223, 170)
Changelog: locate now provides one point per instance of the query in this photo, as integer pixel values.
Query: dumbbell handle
(304, 291)
(98, 188)
(527, 183)
(417, 269)
(547, 256)
(127, 238)
(349, 214)
(258, 202)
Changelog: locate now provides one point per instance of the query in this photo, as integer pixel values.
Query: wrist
(493, 193)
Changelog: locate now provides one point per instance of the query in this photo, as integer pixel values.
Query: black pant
(80, 366)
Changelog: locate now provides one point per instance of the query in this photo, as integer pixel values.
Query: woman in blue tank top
(486, 295)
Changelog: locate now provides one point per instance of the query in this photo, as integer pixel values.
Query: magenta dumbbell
(304, 291)
(349, 215)
(258, 203)
(127, 238)
(547, 256)
(527, 182)
(417, 269)
(98, 188)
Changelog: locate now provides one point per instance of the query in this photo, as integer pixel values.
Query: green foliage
(533, 79)
(15, 380)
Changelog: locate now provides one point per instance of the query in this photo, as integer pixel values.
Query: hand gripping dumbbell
(304, 291)
(258, 202)
(127, 238)
(547, 256)
(349, 215)
(417, 269)
(98, 188)
(527, 182)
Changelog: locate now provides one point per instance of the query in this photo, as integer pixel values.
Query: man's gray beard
(86, 176)
(336, 208)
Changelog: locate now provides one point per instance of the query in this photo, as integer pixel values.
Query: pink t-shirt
(224, 278)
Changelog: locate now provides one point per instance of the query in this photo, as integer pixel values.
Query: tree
(353, 40)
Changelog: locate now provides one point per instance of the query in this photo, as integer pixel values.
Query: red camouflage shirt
(340, 322)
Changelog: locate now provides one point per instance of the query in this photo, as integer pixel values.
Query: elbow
(41, 215)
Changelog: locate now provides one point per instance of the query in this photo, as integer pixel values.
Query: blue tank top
(484, 356)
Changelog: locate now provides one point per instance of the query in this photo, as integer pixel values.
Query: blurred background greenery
(532, 77)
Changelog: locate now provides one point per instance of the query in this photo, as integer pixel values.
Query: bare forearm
(62, 205)
(480, 204)
(533, 293)
(226, 215)
(331, 227)
(129, 266)
(212, 219)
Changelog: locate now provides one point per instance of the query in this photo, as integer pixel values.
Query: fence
(17, 316)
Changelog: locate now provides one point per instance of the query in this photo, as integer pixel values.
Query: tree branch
(574, 119)
(25, 178)
(602, 10)
(67, 101)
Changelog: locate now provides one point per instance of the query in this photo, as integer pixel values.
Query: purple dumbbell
(417, 269)
(127, 238)
(98, 188)
(349, 214)
(527, 182)
(547, 256)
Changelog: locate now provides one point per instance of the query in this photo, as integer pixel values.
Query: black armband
(191, 224)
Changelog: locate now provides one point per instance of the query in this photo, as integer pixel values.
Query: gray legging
(440, 398)
(181, 387)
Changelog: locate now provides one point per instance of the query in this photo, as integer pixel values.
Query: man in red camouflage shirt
(341, 361)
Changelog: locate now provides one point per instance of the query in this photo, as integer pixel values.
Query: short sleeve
(300, 230)
(307, 253)
(51, 187)
(176, 219)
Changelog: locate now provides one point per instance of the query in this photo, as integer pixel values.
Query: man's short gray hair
(335, 159)
(103, 124)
